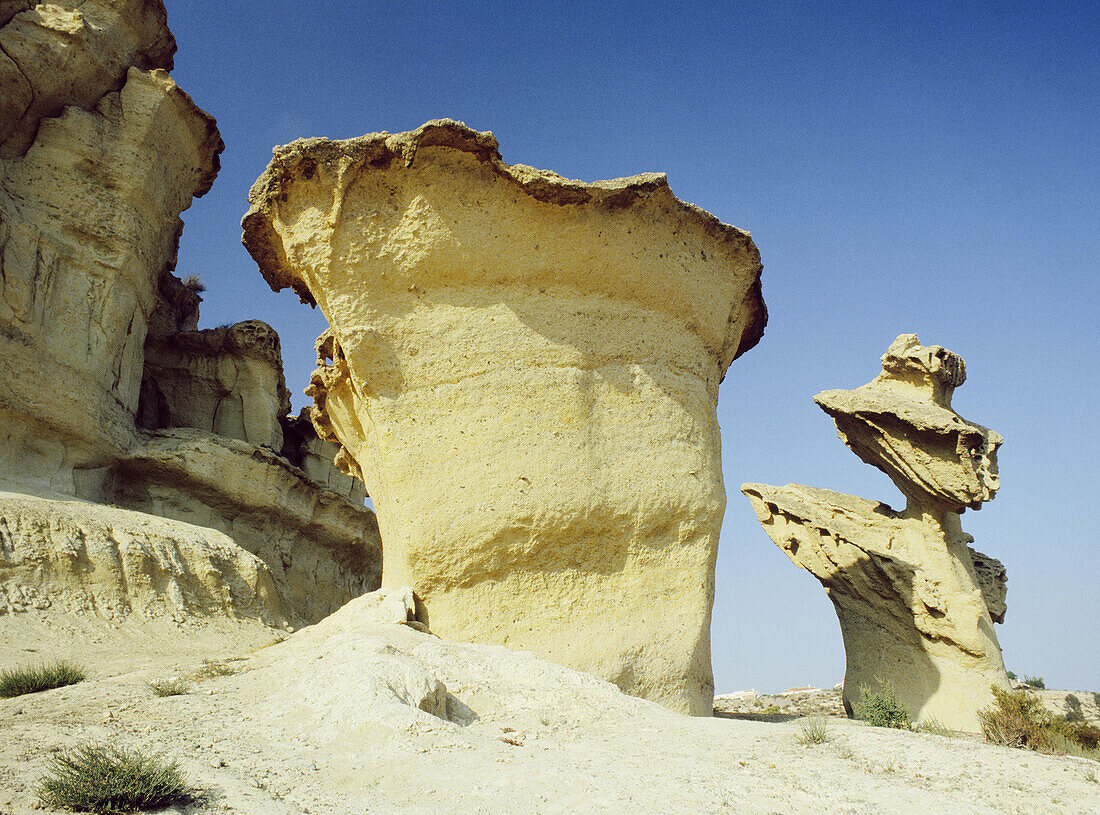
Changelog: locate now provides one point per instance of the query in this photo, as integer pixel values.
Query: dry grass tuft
(170, 687)
(814, 730)
(17, 681)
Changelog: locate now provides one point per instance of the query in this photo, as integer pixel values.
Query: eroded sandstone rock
(76, 557)
(916, 604)
(100, 152)
(303, 448)
(320, 549)
(228, 381)
(524, 370)
(76, 292)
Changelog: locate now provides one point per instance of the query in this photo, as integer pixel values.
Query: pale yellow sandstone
(81, 558)
(77, 292)
(98, 157)
(524, 369)
(916, 604)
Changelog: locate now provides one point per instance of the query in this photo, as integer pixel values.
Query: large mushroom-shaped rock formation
(524, 370)
(916, 603)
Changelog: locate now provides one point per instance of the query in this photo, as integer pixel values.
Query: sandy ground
(328, 721)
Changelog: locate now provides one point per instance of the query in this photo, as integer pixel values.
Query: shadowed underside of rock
(524, 370)
(916, 604)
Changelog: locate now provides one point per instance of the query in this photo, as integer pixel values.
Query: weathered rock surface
(524, 369)
(227, 381)
(77, 557)
(320, 549)
(100, 152)
(76, 291)
(916, 604)
(71, 53)
(303, 448)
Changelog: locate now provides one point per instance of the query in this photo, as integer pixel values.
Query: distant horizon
(904, 170)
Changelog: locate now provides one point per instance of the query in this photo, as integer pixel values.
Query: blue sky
(931, 168)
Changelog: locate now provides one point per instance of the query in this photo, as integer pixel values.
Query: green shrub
(1019, 719)
(106, 779)
(1012, 675)
(1073, 709)
(1035, 682)
(170, 687)
(814, 730)
(882, 709)
(17, 681)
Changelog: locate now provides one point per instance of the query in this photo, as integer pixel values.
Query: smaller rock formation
(227, 381)
(916, 604)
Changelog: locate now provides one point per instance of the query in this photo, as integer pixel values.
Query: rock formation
(916, 603)
(103, 364)
(524, 371)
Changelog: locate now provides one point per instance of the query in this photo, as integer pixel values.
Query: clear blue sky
(909, 167)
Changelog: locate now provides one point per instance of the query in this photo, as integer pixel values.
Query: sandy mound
(363, 713)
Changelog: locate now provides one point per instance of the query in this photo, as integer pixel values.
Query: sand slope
(330, 721)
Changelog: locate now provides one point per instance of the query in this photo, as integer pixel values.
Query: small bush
(1073, 709)
(214, 667)
(882, 709)
(170, 687)
(814, 730)
(1012, 675)
(1035, 682)
(107, 779)
(1019, 719)
(17, 681)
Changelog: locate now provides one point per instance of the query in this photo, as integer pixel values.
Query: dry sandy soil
(352, 716)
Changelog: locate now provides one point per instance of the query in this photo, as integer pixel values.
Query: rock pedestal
(916, 604)
(524, 370)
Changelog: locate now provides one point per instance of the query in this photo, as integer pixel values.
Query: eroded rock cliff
(524, 371)
(100, 152)
(916, 604)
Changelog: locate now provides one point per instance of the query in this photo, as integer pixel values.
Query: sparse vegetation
(1035, 682)
(1019, 719)
(1073, 709)
(214, 667)
(935, 727)
(107, 779)
(814, 730)
(194, 283)
(882, 709)
(17, 681)
(170, 687)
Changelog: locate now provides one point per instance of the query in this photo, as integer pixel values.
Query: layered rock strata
(94, 173)
(524, 371)
(80, 558)
(916, 604)
(227, 381)
(101, 358)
